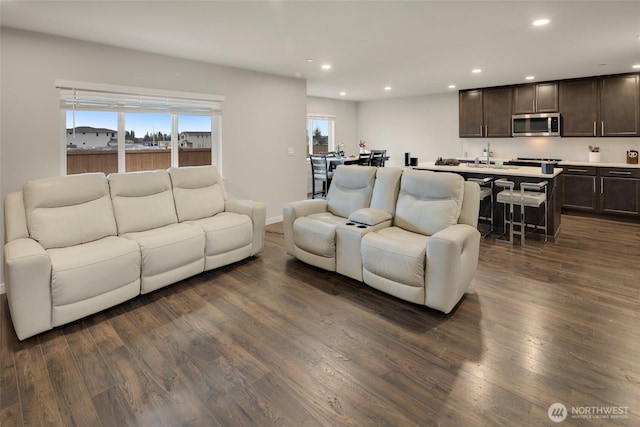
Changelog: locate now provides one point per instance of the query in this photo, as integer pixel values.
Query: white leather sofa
(78, 244)
(417, 239)
(328, 233)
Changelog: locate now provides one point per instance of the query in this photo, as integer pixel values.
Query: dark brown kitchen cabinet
(535, 98)
(580, 188)
(578, 101)
(620, 191)
(471, 119)
(619, 106)
(485, 113)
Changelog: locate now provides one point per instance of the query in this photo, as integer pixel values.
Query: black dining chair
(364, 159)
(378, 157)
(319, 172)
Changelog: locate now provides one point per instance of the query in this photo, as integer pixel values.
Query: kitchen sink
(481, 166)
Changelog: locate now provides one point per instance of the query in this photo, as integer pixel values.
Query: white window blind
(103, 97)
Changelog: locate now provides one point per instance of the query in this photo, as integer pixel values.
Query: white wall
(427, 127)
(263, 114)
(346, 119)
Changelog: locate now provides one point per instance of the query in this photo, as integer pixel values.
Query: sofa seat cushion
(395, 254)
(225, 232)
(83, 271)
(316, 234)
(169, 254)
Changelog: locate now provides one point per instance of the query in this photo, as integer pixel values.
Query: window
(320, 134)
(86, 152)
(138, 129)
(195, 142)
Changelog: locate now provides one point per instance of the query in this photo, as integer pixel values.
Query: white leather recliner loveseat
(411, 234)
(79, 244)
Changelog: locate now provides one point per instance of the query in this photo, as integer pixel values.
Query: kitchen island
(517, 174)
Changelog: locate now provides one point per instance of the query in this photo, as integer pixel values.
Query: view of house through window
(319, 134)
(195, 140)
(120, 129)
(92, 145)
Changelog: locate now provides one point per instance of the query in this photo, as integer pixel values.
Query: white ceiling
(416, 47)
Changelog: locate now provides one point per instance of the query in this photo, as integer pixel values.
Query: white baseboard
(274, 220)
(2, 291)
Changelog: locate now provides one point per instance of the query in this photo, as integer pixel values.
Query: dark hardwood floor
(273, 341)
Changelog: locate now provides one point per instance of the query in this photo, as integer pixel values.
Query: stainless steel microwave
(539, 124)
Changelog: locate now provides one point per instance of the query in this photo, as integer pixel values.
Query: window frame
(116, 98)
(331, 142)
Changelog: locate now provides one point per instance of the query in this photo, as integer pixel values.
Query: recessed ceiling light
(476, 71)
(326, 66)
(387, 88)
(541, 22)
(343, 93)
(452, 86)
(530, 77)
(635, 66)
(310, 60)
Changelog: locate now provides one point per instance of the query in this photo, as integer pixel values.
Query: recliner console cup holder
(357, 224)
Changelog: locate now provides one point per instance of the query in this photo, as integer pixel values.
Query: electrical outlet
(290, 151)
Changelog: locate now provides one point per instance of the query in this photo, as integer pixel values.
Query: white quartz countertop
(525, 171)
(598, 165)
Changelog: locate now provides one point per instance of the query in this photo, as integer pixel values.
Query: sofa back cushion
(69, 210)
(198, 192)
(429, 201)
(385, 189)
(351, 189)
(142, 200)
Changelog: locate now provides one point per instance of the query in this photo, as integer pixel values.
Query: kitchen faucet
(488, 154)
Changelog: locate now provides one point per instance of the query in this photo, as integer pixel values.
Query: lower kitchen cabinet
(580, 188)
(602, 190)
(620, 191)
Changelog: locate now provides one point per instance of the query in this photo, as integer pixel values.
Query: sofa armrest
(257, 211)
(293, 210)
(15, 217)
(452, 260)
(370, 216)
(27, 275)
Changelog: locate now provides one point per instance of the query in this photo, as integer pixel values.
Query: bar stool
(535, 197)
(486, 190)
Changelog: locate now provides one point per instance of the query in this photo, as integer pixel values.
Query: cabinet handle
(481, 130)
(486, 130)
(594, 185)
(602, 128)
(601, 185)
(619, 173)
(594, 128)
(577, 170)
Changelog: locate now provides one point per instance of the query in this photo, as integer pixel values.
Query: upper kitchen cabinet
(535, 98)
(471, 119)
(485, 113)
(619, 106)
(579, 107)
